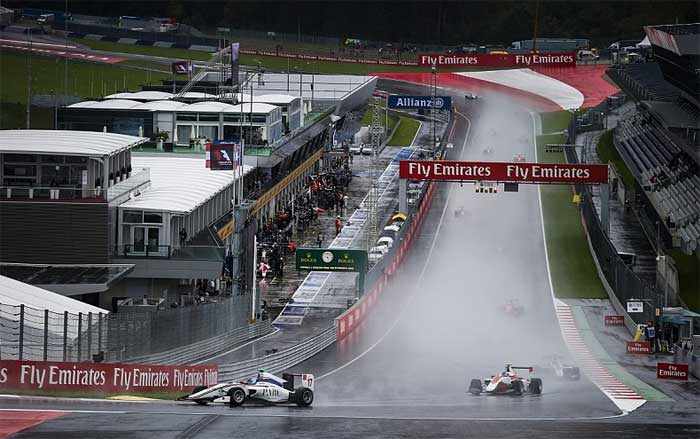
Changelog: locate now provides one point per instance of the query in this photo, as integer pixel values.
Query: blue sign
(420, 102)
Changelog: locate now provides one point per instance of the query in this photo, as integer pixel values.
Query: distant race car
(519, 157)
(507, 382)
(264, 388)
(563, 370)
(513, 308)
(471, 97)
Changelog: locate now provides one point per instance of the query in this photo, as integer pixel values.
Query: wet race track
(405, 372)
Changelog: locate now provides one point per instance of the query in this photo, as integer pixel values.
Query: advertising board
(102, 377)
(563, 59)
(517, 172)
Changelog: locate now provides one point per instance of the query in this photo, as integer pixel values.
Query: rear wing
(528, 368)
(296, 380)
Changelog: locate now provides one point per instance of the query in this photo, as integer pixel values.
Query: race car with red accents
(507, 382)
(265, 388)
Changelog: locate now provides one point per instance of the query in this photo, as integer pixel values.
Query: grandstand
(660, 142)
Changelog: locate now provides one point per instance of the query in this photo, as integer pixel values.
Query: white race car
(562, 370)
(507, 382)
(263, 388)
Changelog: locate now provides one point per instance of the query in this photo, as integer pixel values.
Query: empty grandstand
(660, 143)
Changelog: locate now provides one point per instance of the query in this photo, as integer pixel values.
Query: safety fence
(177, 334)
(622, 279)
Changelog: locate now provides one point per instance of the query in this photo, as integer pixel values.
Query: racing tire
(475, 387)
(236, 396)
(517, 388)
(536, 386)
(304, 396)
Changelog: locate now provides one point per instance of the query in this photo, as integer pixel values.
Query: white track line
(422, 274)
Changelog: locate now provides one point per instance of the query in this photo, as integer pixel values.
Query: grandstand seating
(666, 172)
(645, 80)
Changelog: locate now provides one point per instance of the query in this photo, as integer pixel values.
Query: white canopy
(15, 293)
(178, 184)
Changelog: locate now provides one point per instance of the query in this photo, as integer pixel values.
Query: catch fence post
(89, 334)
(21, 332)
(80, 338)
(65, 335)
(46, 335)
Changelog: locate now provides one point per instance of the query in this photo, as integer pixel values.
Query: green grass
(270, 62)
(367, 118)
(405, 132)
(555, 121)
(573, 271)
(85, 79)
(608, 154)
(688, 267)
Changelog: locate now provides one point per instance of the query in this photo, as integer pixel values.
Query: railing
(186, 253)
(50, 193)
(282, 360)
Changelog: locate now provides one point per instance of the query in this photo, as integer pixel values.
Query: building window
(152, 218)
(133, 216)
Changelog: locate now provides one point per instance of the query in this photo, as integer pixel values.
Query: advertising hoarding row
(102, 377)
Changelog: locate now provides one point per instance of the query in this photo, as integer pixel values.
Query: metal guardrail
(282, 360)
(198, 351)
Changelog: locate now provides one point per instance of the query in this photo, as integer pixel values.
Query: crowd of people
(322, 193)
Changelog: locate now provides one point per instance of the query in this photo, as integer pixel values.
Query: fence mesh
(621, 277)
(28, 333)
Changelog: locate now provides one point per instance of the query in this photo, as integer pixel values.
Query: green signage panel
(331, 259)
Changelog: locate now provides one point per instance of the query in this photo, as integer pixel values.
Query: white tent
(643, 44)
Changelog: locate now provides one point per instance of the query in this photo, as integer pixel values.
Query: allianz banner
(102, 377)
(567, 59)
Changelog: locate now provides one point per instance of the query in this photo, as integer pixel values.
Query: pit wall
(382, 272)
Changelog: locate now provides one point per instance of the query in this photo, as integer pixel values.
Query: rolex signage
(331, 259)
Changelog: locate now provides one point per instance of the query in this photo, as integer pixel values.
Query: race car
(520, 157)
(507, 382)
(459, 212)
(563, 370)
(471, 97)
(264, 388)
(513, 308)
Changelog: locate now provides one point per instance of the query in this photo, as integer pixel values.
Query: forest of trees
(440, 22)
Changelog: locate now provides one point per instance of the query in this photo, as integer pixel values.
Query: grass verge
(270, 62)
(574, 275)
(688, 267)
(405, 132)
(85, 79)
(555, 121)
(14, 115)
(608, 154)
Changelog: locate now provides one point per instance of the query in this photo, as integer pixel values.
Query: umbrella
(392, 228)
(399, 217)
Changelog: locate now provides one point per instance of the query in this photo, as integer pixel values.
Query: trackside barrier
(351, 318)
(197, 351)
(102, 378)
(684, 356)
(279, 361)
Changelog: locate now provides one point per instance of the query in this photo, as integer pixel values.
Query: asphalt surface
(405, 372)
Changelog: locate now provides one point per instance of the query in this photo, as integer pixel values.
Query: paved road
(406, 370)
